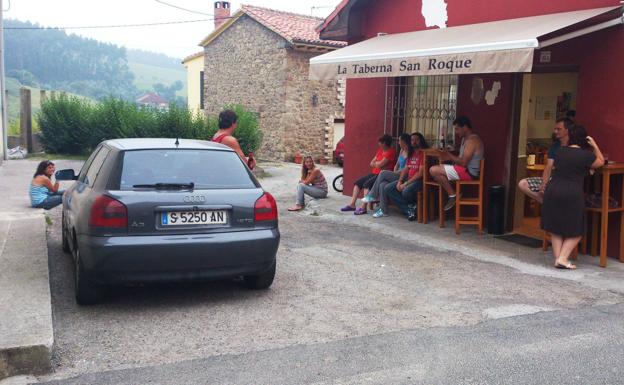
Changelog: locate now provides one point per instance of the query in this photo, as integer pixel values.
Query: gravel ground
(334, 281)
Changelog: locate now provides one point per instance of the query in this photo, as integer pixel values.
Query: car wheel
(64, 235)
(87, 291)
(261, 281)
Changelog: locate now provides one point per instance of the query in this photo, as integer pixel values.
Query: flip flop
(568, 266)
(359, 211)
(295, 208)
(348, 208)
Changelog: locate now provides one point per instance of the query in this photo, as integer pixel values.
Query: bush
(65, 124)
(247, 132)
(70, 125)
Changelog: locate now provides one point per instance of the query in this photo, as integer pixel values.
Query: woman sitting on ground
(44, 194)
(312, 183)
(387, 176)
(403, 192)
(385, 158)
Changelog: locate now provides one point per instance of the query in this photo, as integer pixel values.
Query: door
(545, 98)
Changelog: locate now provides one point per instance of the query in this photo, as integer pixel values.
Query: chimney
(221, 12)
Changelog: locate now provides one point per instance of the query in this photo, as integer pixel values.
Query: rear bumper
(175, 258)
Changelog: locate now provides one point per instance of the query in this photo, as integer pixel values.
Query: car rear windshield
(206, 169)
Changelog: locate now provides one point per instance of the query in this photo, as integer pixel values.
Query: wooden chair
(470, 201)
(419, 207)
(428, 183)
(546, 242)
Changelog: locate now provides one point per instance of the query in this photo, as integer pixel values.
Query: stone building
(259, 58)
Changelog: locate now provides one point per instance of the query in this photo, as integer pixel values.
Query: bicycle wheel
(337, 183)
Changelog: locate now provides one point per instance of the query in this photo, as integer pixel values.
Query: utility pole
(3, 96)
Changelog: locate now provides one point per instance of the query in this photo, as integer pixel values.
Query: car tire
(87, 291)
(64, 239)
(260, 281)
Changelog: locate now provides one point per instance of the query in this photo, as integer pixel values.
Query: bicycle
(337, 183)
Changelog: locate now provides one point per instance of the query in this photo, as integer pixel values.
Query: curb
(26, 331)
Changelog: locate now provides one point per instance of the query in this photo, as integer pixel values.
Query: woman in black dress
(563, 212)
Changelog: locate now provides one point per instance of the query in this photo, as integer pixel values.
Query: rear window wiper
(167, 186)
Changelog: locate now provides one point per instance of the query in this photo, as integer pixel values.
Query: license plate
(176, 218)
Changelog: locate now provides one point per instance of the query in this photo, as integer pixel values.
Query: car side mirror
(67, 174)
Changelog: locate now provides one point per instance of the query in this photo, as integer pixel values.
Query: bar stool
(419, 207)
(472, 201)
(429, 182)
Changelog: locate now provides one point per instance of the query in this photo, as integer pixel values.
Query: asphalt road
(348, 306)
(567, 347)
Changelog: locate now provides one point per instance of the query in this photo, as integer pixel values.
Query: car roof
(164, 143)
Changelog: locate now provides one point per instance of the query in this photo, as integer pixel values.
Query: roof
(151, 98)
(293, 27)
(158, 143)
(193, 56)
(332, 15)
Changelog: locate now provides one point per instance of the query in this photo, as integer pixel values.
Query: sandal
(567, 266)
(359, 211)
(295, 208)
(347, 208)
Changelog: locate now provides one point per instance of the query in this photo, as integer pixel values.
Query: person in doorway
(312, 183)
(384, 159)
(534, 187)
(563, 212)
(227, 125)
(466, 166)
(389, 176)
(43, 193)
(403, 192)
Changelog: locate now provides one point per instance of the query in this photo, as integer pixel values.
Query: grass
(145, 76)
(48, 220)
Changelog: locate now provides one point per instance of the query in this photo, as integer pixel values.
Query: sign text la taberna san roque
(405, 66)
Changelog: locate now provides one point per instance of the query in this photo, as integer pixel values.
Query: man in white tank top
(466, 166)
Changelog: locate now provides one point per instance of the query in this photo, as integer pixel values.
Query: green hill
(145, 76)
(13, 104)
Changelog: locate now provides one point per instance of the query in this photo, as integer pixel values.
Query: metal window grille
(425, 104)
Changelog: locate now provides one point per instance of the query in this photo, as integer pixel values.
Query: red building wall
(491, 123)
(365, 125)
(365, 97)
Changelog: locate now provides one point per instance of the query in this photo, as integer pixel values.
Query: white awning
(498, 46)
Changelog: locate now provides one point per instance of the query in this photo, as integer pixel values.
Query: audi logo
(194, 199)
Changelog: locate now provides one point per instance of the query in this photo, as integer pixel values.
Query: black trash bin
(496, 210)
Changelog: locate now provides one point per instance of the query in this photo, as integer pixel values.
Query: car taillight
(265, 208)
(108, 212)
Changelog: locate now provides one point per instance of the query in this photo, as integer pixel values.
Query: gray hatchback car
(145, 210)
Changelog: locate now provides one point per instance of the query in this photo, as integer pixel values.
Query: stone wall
(309, 105)
(246, 65)
(250, 65)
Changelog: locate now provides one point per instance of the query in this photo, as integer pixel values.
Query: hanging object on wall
(564, 101)
(545, 107)
(478, 91)
(491, 95)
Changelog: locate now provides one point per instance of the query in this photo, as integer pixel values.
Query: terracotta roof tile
(294, 27)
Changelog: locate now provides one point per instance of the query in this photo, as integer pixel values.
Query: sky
(176, 40)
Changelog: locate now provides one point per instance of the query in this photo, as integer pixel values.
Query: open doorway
(545, 97)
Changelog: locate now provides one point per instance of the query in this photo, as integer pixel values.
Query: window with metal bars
(425, 104)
